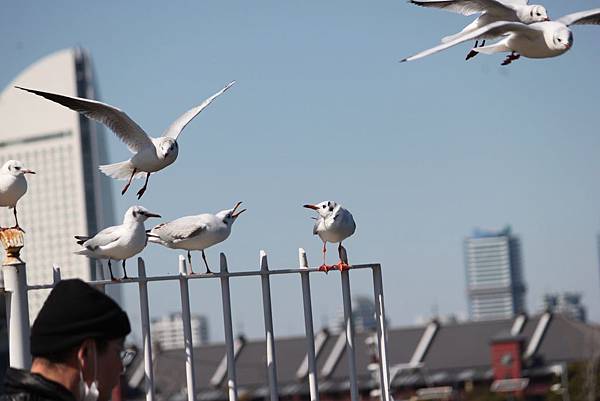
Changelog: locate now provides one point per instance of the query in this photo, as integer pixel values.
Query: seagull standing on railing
(150, 154)
(196, 233)
(334, 224)
(118, 242)
(13, 185)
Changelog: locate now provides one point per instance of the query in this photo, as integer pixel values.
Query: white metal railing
(15, 287)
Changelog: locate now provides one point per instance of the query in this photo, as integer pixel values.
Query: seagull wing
(588, 17)
(175, 129)
(494, 29)
(469, 7)
(103, 238)
(126, 129)
(180, 229)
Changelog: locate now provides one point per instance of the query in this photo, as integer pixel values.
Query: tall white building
(495, 284)
(68, 195)
(167, 331)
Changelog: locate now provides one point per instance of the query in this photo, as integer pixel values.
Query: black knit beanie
(73, 312)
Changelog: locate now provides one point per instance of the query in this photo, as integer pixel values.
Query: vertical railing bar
(56, 277)
(227, 323)
(308, 328)
(17, 313)
(384, 368)
(187, 329)
(350, 348)
(146, 336)
(270, 338)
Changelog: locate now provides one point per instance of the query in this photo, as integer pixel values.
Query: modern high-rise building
(566, 303)
(68, 195)
(167, 331)
(495, 285)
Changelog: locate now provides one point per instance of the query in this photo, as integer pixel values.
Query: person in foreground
(76, 345)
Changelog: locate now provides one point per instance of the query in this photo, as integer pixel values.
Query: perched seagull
(118, 242)
(334, 224)
(538, 40)
(13, 185)
(196, 233)
(490, 10)
(150, 154)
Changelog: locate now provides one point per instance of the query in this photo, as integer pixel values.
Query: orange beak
(313, 207)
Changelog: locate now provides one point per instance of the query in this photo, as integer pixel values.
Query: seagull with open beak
(334, 224)
(196, 233)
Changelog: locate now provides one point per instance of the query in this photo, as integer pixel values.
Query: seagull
(150, 154)
(196, 233)
(538, 40)
(13, 185)
(118, 242)
(334, 224)
(490, 10)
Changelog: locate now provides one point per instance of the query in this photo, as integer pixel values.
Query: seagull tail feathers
(120, 171)
(85, 252)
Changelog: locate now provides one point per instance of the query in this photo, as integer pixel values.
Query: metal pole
(308, 327)
(55, 274)
(384, 367)
(270, 338)
(17, 305)
(187, 330)
(226, 301)
(146, 337)
(349, 334)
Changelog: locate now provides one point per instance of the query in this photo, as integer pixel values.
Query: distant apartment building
(494, 273)
(68, 196)
(363, 315)
(167, 331)
(566, 303)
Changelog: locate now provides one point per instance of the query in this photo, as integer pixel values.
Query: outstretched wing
(494, 29)
(469, 7)
(116, 120)
(175, 129)
(180, 229)
(588, 17)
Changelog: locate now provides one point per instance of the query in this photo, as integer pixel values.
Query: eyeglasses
(127, 356)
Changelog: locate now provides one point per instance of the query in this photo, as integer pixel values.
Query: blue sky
(420, 152)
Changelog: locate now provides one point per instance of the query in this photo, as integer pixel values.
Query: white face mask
(89, 393)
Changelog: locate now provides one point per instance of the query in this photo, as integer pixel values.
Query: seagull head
(535, 13)
(562, 38)
(230, 215)
(138, 214)
(168, 148)
(15, 167)
(324, 208)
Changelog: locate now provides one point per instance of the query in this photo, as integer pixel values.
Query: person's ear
(84, 353)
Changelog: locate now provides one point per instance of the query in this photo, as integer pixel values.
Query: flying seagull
(150, 154)
(538, 40)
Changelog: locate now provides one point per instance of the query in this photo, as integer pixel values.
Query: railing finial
(303, 261)
(12, 240)
(264, 264)
(223, 261)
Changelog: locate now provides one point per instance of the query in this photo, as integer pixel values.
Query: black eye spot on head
(531, 13)
(135, 214)
(324, 206)
(17, 168)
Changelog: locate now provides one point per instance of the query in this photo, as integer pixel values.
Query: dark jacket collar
(19, 381)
